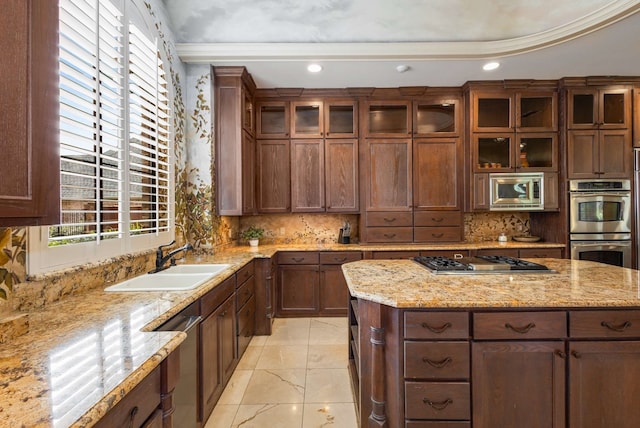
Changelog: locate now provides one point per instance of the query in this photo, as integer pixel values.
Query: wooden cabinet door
(248, 174)
(436, 182)
(518, 384)
(340, 118)
(273, 179)
(307, 176)
(615, 154)
(298, 290)
(551, 192)
(341, 175)
(387, 118)
(29, 114)
(211, 385)
(227, 345)
(218, 354)
(272, 119)
(614, 108)
(603, 384)
(388, 175)
(307, 119)
(480, 196)
(334, 293)
(492, 111)
(582, 154)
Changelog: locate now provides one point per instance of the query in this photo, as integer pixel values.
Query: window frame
(41, 257)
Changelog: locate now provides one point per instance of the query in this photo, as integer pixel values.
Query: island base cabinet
(518, 384)
(604, 384)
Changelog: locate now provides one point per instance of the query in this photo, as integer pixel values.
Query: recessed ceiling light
(491, 66)
(402, 68)
(314, 68)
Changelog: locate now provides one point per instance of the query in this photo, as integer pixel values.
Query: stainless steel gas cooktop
(480, 265)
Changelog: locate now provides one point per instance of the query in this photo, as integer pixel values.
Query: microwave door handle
(603, 244)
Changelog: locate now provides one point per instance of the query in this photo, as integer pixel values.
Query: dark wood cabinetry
(272, 119)
(312, 283)
(273, 176)
(512, 130)
(341, 175)
(29, 116)
(307, 176)
(599, 132)
(265, 294)
(218, 348)
(386, 118)
(245, 307)
(234, 141)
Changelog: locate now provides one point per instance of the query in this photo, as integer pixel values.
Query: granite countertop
(578, 283)
(81, 355)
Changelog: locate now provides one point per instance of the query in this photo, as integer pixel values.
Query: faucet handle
(167, 245)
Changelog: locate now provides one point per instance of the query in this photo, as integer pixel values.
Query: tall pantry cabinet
(30, 161)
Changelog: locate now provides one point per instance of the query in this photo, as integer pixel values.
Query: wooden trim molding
(378, 417)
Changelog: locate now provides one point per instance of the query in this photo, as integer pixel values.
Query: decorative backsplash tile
(487, 226)
(301, 228)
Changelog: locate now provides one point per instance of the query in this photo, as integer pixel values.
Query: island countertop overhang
(577, 284)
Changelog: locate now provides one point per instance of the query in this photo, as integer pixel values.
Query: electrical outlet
(281, 231)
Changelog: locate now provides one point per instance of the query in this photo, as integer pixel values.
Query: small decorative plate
(526, 238)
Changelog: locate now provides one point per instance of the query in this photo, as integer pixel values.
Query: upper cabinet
(29, 114)
(387, 118)
(599, 130)
(599, 108)
(437, 117)
(234, 141)
(324, 119)
(272, 119)
(513, 131)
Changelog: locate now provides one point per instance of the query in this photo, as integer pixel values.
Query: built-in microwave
(516, 192)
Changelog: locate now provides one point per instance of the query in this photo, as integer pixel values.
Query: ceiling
(360, 43)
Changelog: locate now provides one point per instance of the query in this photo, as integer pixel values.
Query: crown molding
(217, 52)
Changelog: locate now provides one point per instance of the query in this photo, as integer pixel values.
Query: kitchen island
(495, 350)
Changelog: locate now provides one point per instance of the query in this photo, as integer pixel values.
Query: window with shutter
(115, 139)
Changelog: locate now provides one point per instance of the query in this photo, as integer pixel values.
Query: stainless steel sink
(176, 278)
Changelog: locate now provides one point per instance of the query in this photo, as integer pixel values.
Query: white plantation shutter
(148, 137)
(114, 139)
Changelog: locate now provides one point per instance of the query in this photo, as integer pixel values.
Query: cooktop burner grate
(514, 263)
(470, 265)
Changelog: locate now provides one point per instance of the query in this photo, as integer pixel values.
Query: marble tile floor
(295, 378)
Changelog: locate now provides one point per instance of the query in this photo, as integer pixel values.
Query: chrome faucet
(162, 258)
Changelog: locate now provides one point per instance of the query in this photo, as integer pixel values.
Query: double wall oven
(600, 221)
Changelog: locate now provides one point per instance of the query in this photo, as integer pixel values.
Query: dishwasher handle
(181, 323)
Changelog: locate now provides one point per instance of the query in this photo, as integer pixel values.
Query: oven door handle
(600, 194)
(604, 244)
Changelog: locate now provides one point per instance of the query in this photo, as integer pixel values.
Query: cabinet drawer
(244, 273)
(436, 360)
(437, 424)
(299, 258)
(437, 400)
(436, 325)
(143, 400)
(437, 218)
(339, 257)
(389, 234)
(520, 325)
(394, 255)
(214, 298)
(438, 234)
(604, 323)
(541, 253)
(394, 219)
(244, 293)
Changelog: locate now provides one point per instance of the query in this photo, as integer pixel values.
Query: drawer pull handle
(438, 405)
(389, 220)
(437, 220)
(437, 330)
(341, 259)
(619, 328)
(389, 235)
(437, 364)
(560, 353)
(298, 259)
(521, 330)
(132, 416)
(437, 235)
(576, 354)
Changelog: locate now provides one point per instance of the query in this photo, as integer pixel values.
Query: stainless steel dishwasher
(185, 396)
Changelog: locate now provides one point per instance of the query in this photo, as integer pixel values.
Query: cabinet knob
(560, 353)
(576, 354)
